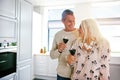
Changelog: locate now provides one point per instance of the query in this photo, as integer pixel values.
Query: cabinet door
(45, 66)
(25, 39)
(41, 65)
(11, 76)
(52, 67)
(24, 72)
(7, 8)
(7, 28)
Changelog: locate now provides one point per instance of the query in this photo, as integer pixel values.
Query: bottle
(41, 50)
(44, 49)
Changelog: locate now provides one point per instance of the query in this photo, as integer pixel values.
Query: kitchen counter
(10, 49)
(44, 54)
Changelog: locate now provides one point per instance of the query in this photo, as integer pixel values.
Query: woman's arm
(105, 58)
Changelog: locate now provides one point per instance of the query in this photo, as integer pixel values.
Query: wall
(82, 11)
(36, 39)
(43, 25)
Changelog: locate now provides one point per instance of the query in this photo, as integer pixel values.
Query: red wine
(72, 51)
(65, 40)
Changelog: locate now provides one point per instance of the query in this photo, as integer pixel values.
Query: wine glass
(65, 40)
(72, 51)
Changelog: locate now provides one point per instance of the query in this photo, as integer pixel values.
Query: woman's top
(63, 69)
(93, 64)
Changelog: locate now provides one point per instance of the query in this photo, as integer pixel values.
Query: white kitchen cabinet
(8, 27)
(8, 19)
(16, 23)
(41, 65)
(25, 28)
(52, 67)
(7, 30)
(24, 66)
(8, 8)
(44, 66)
(24, 72)
(9, 77)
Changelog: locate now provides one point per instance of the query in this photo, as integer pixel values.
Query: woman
(92, 53)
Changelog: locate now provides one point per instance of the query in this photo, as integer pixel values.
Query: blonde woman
(92, 53)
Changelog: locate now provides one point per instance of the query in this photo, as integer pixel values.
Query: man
(60, 50)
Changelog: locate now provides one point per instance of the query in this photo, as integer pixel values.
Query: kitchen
(21, 24)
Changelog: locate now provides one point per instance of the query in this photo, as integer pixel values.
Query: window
(54, 26)
(109, 20)
(110, 28)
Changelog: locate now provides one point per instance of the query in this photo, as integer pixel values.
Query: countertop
(10, 49)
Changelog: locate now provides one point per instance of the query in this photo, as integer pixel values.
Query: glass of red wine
(65, 40)
(72, 51)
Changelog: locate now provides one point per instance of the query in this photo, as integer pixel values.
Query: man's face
(69, 22)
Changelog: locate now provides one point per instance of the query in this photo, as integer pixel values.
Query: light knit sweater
(63, 69)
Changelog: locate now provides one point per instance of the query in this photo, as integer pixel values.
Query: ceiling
(63, 2)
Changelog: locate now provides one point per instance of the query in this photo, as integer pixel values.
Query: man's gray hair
(67, 12)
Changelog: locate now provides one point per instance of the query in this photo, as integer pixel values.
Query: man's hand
(61, 47)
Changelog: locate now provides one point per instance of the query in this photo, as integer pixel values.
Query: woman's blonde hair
(90, 25)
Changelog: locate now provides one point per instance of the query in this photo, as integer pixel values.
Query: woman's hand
(71, 59)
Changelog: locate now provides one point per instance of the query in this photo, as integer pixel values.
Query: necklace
(87, 47)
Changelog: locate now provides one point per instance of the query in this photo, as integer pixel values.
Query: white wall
(43, 25)
(82, 11)
(36, 39)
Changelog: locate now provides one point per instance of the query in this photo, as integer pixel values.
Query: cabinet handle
(3, 61)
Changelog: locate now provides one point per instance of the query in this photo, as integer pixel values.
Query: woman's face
(81, 32)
